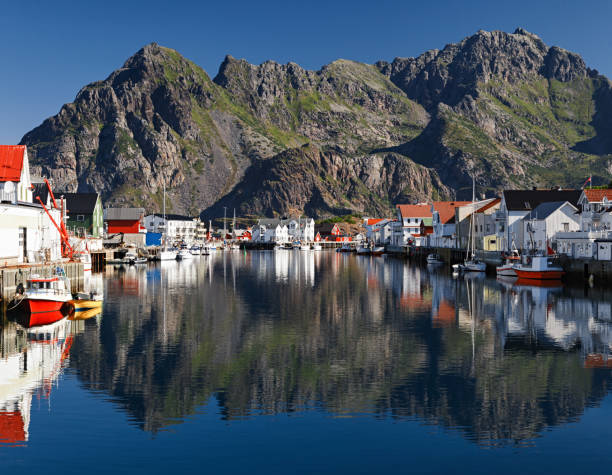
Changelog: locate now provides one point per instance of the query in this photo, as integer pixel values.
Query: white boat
(377, 250)
(184, 254)
(317, 247)
(363, 250)
(166, 255)
(434, 258)
(507, 268)
(132, 258)
(472, 263)
(235, 247)
(304, 247)
(195, 250)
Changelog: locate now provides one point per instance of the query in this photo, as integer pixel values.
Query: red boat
(44, 299)
(539, 268)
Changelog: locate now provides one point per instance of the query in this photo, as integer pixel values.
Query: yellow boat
(85, 304)
(85, 314)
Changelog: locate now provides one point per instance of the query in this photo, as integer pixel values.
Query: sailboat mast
(473, 212)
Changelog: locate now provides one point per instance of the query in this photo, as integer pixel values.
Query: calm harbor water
(304, 362)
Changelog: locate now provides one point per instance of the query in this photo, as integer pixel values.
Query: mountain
(351, 137)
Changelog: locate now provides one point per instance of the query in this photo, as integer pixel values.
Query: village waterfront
(319, 361)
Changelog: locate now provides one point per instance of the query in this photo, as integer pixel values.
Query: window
(80, 217)
(565, 227)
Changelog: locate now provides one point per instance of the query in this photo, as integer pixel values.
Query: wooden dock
(11, 277)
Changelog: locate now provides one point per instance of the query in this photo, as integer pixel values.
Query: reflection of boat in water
(29, 368)
(31, 320)
(86, 314)
(547, 283)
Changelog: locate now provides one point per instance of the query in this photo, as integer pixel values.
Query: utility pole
(234, 221)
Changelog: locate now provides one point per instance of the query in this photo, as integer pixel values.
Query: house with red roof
(378, 230)
(596, 208)
(15, 183)
(413, 221)
(27, 233)
(443, 223)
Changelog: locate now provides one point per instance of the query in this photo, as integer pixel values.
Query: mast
(224, 222)
(472, 217)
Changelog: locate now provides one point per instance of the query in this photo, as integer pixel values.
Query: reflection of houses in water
(550, 316)
(31, 360)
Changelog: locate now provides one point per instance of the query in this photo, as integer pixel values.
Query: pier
(11, 277)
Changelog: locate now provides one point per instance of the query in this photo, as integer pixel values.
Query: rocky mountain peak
(504, 104)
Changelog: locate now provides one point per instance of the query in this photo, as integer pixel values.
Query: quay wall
(11, 277)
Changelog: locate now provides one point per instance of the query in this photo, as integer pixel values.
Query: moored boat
(316, 247)
(363, 251)
(166, 255)
(44, 294)
(184, 254)
(539, 268)
(377, 251)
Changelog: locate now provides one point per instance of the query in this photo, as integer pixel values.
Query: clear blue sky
(50, 49)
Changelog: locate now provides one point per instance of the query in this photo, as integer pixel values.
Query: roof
(597, 196)
(123, 214)
(11, 162)
(372, 221)
(526, 200)
(174, 217)
(325, 228)
(269, 222)
(415, 211)
(544, 210)
(446, 209)
(79, 203)
(489, 205)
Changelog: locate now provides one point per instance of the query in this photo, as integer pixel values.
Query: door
(23, 244)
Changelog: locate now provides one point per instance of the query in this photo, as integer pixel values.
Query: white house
(300, 229)
(15, 183)
(542, 224)
(270, 230)
(378, 230)
(594, 238)
(516, 204)
(596, 206)
(175, 226)
(408, 224)
(27, 233)
(443, 223)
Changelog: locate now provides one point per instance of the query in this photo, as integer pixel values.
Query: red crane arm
(62, 233)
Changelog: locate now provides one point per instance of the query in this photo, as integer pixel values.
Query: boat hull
(80, 305)
(506, 271)
(539, 274)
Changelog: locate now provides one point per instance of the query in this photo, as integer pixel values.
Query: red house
(329, 232)
(124, 220)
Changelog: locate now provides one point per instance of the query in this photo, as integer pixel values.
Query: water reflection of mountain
(280, 331)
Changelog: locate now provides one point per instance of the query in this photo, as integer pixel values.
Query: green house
(85, 214)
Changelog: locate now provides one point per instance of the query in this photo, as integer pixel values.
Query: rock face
(351, 137)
